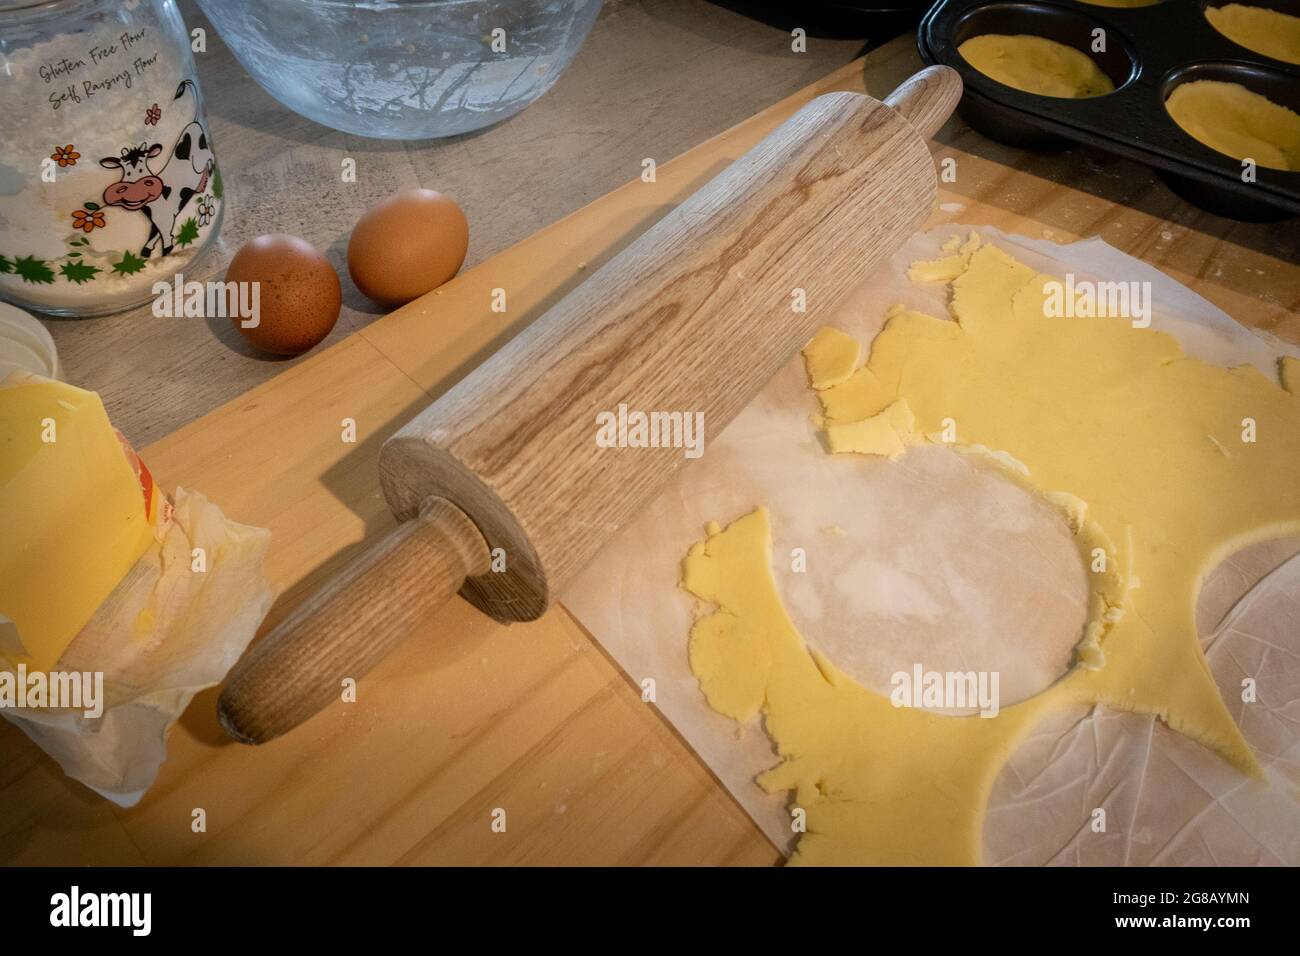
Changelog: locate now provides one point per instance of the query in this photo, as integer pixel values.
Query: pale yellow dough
(1269, 32)
(1237, 122)
(885, 433)
(1116, 427)
(1036, 65)
(951, 265)
(830, 357)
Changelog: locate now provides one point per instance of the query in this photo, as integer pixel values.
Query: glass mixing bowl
(404, 69)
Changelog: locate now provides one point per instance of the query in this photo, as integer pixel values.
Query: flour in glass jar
(108, 179)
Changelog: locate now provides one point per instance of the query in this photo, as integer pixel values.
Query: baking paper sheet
(938, 558)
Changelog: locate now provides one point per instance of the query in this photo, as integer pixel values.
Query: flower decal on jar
(88, 219)
(207, 209)
(65, 155)
(152, 115)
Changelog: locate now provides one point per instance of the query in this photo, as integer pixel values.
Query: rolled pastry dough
(1165, 463)
(830, 357)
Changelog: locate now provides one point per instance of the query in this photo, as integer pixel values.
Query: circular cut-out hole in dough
(985, 575)
(1100, 787)
(1236, 575)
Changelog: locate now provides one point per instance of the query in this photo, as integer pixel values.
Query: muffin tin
(1149, 51)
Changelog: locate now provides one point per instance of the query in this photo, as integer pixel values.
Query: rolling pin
(502, 490)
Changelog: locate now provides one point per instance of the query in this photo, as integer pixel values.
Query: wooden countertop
(469, 716)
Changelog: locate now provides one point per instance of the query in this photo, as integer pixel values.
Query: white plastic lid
(26, 344)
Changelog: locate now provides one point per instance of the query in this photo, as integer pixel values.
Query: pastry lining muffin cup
(1149, 51)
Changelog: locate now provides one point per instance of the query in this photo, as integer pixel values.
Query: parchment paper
(936, 557)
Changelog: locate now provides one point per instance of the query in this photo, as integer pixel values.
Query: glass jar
(108, 181)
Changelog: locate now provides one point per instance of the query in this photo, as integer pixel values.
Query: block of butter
(77, 509)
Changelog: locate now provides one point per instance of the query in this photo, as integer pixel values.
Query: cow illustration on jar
(163, 195)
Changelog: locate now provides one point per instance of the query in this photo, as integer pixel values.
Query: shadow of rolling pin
(694, 316)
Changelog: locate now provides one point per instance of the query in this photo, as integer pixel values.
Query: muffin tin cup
(1148, 52)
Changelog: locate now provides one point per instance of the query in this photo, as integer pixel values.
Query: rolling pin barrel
(688, 323)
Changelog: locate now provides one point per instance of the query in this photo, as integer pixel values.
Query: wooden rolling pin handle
(927, 98)
(351, 623)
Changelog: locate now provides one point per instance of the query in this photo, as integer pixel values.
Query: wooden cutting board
(470, 716)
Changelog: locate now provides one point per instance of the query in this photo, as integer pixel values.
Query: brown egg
(298, 293)
(410, 243)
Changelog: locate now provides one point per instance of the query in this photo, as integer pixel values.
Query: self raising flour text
(637, 429)
(116, 65)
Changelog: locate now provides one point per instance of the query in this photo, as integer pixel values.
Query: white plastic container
(25, 344)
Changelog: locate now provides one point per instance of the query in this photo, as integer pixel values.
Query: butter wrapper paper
(168, 631)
